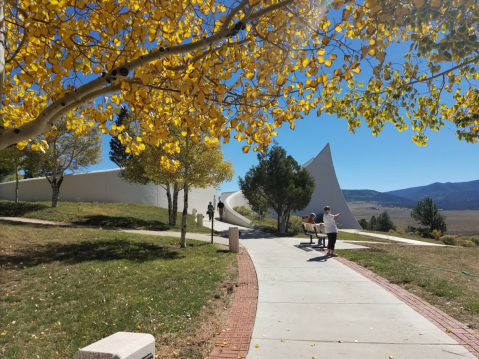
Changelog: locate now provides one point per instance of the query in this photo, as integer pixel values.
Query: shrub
(295, 223)
(411, 229)
(467, 243)
(242, 210)
(449, 240)
(400, 230)
(436, 234)
(392, 231)
(475, 239)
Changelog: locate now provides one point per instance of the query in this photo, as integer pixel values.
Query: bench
(314, 230)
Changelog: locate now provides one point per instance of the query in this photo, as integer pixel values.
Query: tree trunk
(16, 184)
(170, 205)
(287, 220)
(282, 224)
(184, 216)
(56, 191)
(175, 202)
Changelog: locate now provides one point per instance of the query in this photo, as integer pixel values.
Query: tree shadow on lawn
(123, 222)
(10, 209)
(87, 251)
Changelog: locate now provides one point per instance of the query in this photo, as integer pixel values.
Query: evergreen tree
(363, 223)
(427, 214)
(373, 224)
(279, 181)
(117, 150)
(384, 222)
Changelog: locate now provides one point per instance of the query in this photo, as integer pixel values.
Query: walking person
(221, 208)
(211, 211)
(331, 229)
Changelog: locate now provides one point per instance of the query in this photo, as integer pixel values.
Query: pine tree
(117, 150)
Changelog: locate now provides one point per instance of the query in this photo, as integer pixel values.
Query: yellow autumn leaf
(418, 3)
(328, 63)
(381, 56)
(145, 79)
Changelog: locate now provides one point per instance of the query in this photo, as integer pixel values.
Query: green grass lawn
(125, 215)
(64, 288)
(455, 293)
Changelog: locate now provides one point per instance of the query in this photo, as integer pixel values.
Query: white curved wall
(231, 200)
(327, 191)
(104, 186)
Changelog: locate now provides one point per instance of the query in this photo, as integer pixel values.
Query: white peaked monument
(327, 191)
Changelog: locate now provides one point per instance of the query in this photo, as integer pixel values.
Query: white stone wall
(231, 200)
(104, 186)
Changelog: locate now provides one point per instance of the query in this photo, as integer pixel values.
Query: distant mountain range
(449, 196)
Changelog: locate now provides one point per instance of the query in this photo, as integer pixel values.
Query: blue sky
(387, 162)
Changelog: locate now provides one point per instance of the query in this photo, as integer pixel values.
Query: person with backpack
(221, 208)
(211, 211)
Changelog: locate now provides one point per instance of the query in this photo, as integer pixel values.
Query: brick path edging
(455, 329)
(233, 341)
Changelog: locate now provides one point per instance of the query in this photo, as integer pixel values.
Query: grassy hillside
(367, 195)
(463, 223)
(123, 215)
(447, 196)
(452, 196)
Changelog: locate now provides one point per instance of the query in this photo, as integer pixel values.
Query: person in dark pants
(221, 208)
(331, 229)
(211, 211)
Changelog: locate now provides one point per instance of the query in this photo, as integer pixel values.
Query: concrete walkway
(310, 306)
(392, 238)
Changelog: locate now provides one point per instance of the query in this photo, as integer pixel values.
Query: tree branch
(95, 87)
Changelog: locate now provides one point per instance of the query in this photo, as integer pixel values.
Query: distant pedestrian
(211, 211)
(331, 229)
(221, 208)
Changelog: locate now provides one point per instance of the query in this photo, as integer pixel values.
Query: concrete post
(193, 212)
(234, 239)
(199, 219)
(121, 345)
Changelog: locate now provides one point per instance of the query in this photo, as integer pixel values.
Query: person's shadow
(319, 259)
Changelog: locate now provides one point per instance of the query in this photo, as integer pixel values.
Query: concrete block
(121, 345)
(199, 219)
(234, 239)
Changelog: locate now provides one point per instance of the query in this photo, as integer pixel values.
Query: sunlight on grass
(65, 288)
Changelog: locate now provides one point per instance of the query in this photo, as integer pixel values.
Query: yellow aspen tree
(243, 67)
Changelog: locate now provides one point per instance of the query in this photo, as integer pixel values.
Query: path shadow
(10, 209)
(122, 222)
(248, 234)
(87, 251)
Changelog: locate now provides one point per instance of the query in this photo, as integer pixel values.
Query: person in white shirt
(331, 229)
